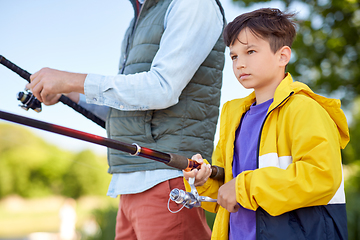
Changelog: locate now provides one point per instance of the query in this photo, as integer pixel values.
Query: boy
(279, 147)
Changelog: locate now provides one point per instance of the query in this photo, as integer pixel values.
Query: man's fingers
(34, 76)
(52, 99)
(35, 86)
(36, 90)
(31, 84)
(45, 95)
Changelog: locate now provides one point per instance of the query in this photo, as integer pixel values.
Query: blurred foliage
(30, 167)
(106, 219)
(352, 189)
(326, 49)
(352, 150)
(85, 176)
(210, 218)
(352, 183)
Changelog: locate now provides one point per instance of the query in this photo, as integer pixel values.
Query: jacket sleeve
(313, 176)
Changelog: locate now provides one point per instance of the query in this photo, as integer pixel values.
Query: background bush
(30, 167)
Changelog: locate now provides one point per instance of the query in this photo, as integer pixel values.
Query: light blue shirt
(191, 29)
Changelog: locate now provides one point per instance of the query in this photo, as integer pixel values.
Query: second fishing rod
(170, 159)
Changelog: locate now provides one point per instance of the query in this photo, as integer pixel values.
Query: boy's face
(254, 64)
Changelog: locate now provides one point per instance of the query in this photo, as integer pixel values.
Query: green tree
(326, 50)
(30, 167)
(22, 160)
(85, 176)
(352, 170)
(352, 151)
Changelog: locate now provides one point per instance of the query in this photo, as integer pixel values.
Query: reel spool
(28, 101)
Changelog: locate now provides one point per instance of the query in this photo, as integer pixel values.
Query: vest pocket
(130, 126)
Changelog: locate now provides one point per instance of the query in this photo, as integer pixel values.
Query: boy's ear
(285, 55)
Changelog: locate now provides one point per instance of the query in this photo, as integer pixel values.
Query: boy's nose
(240, 64)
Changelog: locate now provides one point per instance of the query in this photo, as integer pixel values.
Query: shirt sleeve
(100, 111)
(191, 29)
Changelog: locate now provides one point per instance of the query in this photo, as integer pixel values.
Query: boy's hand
(201, 175)
(227, 196)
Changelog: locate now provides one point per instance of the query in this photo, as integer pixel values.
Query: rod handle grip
(21, 72)
(181, 162)
(217, 173)
(67, 101)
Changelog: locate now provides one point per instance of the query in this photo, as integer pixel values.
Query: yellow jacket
(299, 161)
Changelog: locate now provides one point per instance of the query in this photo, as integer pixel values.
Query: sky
(77, 36)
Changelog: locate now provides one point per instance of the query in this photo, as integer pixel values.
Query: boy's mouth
(244, 76)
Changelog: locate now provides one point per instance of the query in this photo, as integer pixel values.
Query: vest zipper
(132, 33)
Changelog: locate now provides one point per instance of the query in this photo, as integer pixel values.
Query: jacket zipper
(262, 126)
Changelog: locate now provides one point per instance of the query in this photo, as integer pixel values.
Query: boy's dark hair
(267, 23)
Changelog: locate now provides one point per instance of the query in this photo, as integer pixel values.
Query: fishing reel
(28, 101)
(188, 199)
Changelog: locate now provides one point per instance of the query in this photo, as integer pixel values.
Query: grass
(20, 217)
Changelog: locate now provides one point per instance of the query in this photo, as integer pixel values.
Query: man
(165, 97)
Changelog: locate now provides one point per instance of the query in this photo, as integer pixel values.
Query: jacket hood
(332, 106)
(287, 87)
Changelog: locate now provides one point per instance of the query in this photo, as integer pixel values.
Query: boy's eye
(233, 57)
(251, 52)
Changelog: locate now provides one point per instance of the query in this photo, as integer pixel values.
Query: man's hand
(51, 99)
(47, 84)
(201, 175)
(227, 196)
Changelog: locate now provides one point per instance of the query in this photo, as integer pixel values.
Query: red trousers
(145, 216)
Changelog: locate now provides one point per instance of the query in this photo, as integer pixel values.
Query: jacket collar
(281, 93)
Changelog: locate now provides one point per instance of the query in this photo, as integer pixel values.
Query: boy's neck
(261, 98)
(265, 94)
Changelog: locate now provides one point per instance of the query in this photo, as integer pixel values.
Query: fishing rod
(30, 101)
(170, 159)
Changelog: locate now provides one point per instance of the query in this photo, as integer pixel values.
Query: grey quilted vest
(186, 128)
